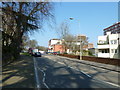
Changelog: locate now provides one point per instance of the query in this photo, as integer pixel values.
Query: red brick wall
(96, 59)
(59, 48)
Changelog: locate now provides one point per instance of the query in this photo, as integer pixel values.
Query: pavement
(19, 74)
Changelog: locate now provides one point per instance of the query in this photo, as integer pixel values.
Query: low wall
(110, 61)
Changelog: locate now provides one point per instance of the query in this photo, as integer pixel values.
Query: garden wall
(111, 61)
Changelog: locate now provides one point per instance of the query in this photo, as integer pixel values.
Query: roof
(112, 25)
(54, 39)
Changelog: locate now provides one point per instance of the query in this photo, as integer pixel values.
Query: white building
(109, 45)
(53, 42)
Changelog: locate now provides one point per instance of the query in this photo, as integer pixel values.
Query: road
(61, 72)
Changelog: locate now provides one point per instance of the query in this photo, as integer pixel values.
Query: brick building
(88, 46)
(59, 48)
(55, 45)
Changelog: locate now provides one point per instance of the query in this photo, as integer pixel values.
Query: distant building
(93, 51)
(59, 48)
(114, 29)
(55, 41)
(79, 44)
(109, 45)
(86, 45)
(55, 45)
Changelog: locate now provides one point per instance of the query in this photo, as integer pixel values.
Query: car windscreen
(38, 53)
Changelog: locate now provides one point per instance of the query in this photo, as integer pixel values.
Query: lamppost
(80, 40)
(118, 48)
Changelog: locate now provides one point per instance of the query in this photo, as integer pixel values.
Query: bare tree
(64, 34)
(83, 42)
(42, 48)
(63, 30)
(32, 44)
(70, 41)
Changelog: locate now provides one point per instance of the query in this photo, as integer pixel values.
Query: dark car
(37, 54)
(55, 53)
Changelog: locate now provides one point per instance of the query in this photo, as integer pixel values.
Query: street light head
(71, 18)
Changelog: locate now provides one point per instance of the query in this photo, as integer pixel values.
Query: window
(100, 51)
(104, 51)
(112, 27)
(114, 50)
(58, 42)
(115, 26)
(113, 41)
(101, 41)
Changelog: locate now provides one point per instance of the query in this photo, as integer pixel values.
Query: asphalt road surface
(59, 72)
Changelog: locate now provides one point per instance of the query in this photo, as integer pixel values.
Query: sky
(90, 18)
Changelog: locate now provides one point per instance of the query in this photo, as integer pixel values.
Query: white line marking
(43, 77)
(110, 83)
(75, 69)
(90, 76)
(86, 74)
(36, 75)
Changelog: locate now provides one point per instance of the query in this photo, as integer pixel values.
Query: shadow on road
(62, 76)
(19, 74)
(94, 72)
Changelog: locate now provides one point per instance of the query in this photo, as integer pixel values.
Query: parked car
(55, 53)
(48, 52)
(37, 54)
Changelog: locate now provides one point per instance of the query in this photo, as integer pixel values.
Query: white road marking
(44, 75)
(44, 78)
(86, 74)
(76, 69)
(90, 76)
(36, 75)
(110, 83)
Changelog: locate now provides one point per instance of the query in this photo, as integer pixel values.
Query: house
(85, 44)
(73, 46)
(59, 48)
(88, 46)
(79, 44)
(109, 45)
(55, 45)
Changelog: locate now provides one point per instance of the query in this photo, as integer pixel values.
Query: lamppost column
(80, 41)
(118, 48)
